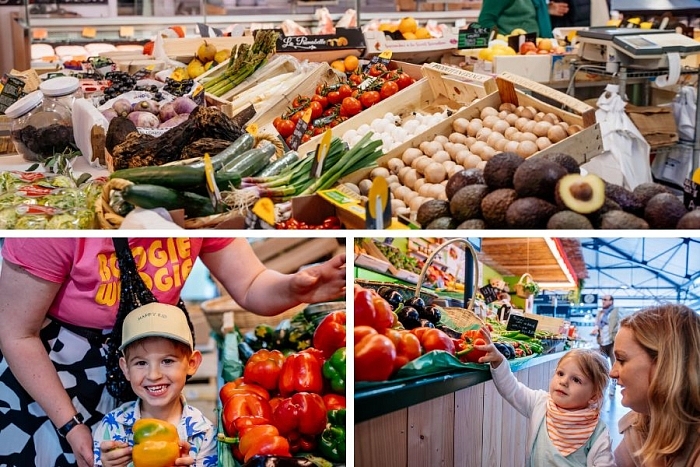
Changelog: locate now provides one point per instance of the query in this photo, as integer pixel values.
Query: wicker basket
(215, 308)
(462, 317)
(520, 290)
(405, 291)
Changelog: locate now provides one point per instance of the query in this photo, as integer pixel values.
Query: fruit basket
(526, 286)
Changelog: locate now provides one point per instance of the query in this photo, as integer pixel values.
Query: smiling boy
(158, 357)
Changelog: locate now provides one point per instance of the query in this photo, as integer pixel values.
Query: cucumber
(279, 165)
(179, 177)
(251, 161)
(156, 196)
(238, 147)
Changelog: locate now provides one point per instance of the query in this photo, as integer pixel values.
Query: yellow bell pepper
(155, 443)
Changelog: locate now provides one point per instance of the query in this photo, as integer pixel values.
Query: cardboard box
(534, 67)
(414, 51)
(656, 124)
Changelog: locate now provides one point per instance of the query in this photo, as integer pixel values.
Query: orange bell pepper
(263, 368)
(243, 405)
(407, 346)
(155, 443)
(239, 386)
(374, 355)
(301, 372)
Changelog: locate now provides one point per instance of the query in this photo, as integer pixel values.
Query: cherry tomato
(323, 100)
(337, 121)
(300, 101)
(331, 112)
(369, 98)
(350, 107)
(345, 91)
(334, 97)
(316, 109)
(389, 88)
(356, 79)
(376, 70)
(286, 128)
(296, 116)
(404, 80)
(276, 122)
(305, 138)
(320, 130)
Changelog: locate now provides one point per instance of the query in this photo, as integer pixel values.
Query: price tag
(89, 32)
(378, 208)
(691, 191)
(490, 293)
(527, 326)
(126, 31)
(300, 129)
(265, 210)
(321, 153)
(366, 83)
(383, 58)
(474, 36)
(212, 187)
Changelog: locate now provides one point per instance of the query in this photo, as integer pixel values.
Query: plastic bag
(622, 139)
(684, 108)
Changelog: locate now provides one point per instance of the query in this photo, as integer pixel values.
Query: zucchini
(156, 196)
(251, 161)
(243, 143)
(279, 165)
(179, 177)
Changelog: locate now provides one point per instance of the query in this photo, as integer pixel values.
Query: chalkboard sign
(691, 193)
(525, 325)
(490, 293)
(474, 37)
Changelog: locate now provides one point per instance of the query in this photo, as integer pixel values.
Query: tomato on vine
(350, 107)
(334, 97)
(345, 91)
(369, 98)
(316, 109)
(286, 128)
(388, 89)
(404, 80)
(323, 100)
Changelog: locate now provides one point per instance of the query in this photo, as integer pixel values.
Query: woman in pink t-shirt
(59, 298)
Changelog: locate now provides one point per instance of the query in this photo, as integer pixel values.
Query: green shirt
(506, 15)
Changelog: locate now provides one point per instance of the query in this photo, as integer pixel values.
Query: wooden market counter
(455, 419)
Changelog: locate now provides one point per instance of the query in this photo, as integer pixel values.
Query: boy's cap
(156, 320)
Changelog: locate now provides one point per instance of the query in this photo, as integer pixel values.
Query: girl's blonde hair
(670, 335)
(594, 366)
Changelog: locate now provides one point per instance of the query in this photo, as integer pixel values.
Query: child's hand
(184, 458)
(493, 356)
(115, 453)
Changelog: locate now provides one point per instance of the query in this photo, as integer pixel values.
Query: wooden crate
(183, 49)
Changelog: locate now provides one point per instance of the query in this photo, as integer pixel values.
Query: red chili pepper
(330, 333)
(301, 372)
(303, 413)
(263, 368)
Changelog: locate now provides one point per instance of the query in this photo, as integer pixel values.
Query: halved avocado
(582, 194)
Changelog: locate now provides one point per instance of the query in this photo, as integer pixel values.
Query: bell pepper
(301, 372)
(332, 442)
(239, 386)
(471, 354)
(155, 443)
(301, 443)
(372, 310)
(329, 336)
(434, 339)
(334, 370)
(262, 440)
(243, 405)
(264, 368)
(407, 346)
(374, 355)
(304, 413)
(334, 401)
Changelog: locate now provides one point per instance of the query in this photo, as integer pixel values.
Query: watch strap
(72, 423)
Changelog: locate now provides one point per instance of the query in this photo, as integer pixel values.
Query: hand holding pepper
(491, 353)
(115, 453)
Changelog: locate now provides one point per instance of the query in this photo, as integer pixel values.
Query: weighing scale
(633, 48)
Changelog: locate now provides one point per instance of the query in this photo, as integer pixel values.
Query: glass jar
(64, 89)
(40, 130)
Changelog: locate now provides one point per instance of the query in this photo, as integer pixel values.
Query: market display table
(80, 165)
(454, 419)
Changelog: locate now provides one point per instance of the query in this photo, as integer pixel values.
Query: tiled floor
(611, 413)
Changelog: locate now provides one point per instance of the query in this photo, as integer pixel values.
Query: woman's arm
(491, 10)
(267, 292)
(24, 301)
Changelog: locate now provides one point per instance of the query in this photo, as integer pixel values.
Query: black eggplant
(278, 461)
(409, 317)
(453, 333)
(432, 313)
(425, 323)
(415, 302)
(392, 296)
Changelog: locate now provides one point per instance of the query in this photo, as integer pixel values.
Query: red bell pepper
(239, 386)
(243, 405)
(334, 401)
(303, 413)
(263, 368)
(372, 310)
(330, 333)
(262, 440)
(301, 372)
(407, 346)
(301, 443)
(374, 355)
(434, 339)
(471, 354)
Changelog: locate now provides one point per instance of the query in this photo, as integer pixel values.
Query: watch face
(589, 298)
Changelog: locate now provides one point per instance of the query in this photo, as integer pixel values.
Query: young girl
(564, 424)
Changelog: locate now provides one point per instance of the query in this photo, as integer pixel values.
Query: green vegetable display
(332, 442)
(334, 370)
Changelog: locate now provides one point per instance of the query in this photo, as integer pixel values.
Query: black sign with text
(527, 326)
(490, 293)
(474, 37)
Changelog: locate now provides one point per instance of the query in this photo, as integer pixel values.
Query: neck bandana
(570, 429)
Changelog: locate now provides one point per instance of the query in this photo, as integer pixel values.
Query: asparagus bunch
(245, 59)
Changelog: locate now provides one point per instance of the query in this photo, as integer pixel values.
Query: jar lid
(60, 86)
(25, 104)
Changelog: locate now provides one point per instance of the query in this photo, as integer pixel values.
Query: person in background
(658, 366)
(507, 15)
(607, 323)
(58, 302)
(158, 357)
(564, 425)
(579, 13)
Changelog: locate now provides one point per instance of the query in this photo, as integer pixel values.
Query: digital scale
(634, 48)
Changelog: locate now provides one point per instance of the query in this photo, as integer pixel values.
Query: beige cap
(156, 320)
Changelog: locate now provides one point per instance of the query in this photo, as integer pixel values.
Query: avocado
(529, 213)
(499, 170)
(472, 224)
(537, 177)
(596, 216)
(431, 210)
(463, 178)
(565, 160)
(622, 220)
(494, 207)
(569, 220)
(664, 210)
(690, 220)
(441, 223)
(627, 200)
(646, 191)
(466, 203)
(582, 194)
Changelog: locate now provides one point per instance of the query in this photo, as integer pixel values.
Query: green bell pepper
(332, 442)
(334, 370)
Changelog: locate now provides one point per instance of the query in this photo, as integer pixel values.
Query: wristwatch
(72, 423)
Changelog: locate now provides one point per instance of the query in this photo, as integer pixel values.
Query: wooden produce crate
(415, 51)
(183, 49)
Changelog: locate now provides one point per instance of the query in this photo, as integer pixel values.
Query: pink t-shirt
(88, 271)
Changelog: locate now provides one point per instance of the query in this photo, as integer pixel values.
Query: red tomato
(320, 130)
(300, 101)
(389, 88)
(323, 100)
(286, 128)
(404, 80)
(276, 122)
(316, 109)
(331, 112)
(356, 79)
(369, 98)
(305, 138)
(376, 70)
(334, 97)
(350, 107)
(296, 116)
(345, 90)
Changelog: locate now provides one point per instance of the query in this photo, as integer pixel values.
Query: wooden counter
(456, 419)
